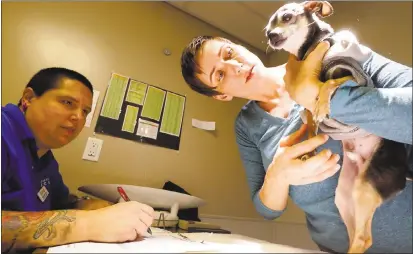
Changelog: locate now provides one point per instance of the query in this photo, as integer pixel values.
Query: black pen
(126, 198)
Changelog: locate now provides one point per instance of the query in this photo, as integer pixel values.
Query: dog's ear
(321, 8)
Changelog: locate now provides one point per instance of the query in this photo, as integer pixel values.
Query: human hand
(288, 166)
(302, 77)
(120, 222)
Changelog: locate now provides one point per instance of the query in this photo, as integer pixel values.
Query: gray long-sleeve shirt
(385, 110)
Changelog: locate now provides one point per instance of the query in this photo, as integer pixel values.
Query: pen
(126, 198)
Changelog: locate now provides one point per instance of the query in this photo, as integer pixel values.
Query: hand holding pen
(125, 197)
(121, 222)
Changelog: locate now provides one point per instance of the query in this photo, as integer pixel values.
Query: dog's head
(288, 28)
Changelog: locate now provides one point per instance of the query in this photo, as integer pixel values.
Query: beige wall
(128, 37)
(97, 38)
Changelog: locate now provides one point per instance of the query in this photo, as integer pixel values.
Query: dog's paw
(357, 248)
(322, 106)
(368, 243)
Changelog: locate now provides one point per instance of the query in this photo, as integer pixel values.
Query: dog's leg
(322, 106)
(366, 201)
(311, 132)
(321, 110)
(312, 125)
(344, 198)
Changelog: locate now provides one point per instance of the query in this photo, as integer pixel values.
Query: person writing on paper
(269, 133)
(35, 202)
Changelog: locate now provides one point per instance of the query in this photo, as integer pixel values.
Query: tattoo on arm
(12, 225)
(22, 230)
(47, 225)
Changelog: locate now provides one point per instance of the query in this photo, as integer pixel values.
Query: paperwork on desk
(166, 242)
(154, 244)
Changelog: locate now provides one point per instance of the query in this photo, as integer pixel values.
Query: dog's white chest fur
(297, 35)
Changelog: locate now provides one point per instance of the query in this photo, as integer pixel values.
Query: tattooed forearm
(14, 224)
(48, 225)
(22, 230)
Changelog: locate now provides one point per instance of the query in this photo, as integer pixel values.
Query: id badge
(43, 193)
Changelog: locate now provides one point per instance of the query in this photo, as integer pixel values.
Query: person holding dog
(269, 133)
(36, 207)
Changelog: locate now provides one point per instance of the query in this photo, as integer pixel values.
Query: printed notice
(89, 117)
(114, 96)
(208, 126)
(129, 121)
(136, 92)
(173, 114)
(147, 129)
(153, 104)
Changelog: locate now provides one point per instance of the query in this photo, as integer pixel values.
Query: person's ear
(223, 97)
(28, 96)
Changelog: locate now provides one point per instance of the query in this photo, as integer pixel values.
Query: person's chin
(62, 141)
(59, 145)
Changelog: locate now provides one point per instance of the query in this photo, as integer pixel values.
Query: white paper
(94, 102)
(204, 125)
(154, 244)
(147, 129)
(162, 243)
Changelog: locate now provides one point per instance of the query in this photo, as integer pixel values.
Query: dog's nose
(273, 37)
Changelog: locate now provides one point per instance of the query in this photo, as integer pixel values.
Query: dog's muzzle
(275, 39)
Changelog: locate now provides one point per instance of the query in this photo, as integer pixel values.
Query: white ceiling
(243, 20)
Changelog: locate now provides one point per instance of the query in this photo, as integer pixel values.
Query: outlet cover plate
(92, 149)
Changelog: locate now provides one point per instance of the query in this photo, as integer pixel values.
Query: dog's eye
(230, 51)
(220, 76)
(287, 17)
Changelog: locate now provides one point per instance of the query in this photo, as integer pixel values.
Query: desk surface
(262, 246)
(236, 242)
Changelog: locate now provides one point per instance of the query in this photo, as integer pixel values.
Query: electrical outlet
(92, 149)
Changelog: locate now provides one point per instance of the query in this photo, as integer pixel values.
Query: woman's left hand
(302, 77)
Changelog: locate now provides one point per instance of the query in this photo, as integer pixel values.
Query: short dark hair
(190, 67)
(49, 78)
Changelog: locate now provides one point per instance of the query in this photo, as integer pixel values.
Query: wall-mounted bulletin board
(137, 111)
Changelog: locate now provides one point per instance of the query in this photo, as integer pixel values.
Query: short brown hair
(190, 67)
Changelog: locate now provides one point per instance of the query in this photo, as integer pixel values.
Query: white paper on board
(204, 125)
(94, 102)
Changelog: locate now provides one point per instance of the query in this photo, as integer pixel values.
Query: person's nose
(77, 114)
(236, 67)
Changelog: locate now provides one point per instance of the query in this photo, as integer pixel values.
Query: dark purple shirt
(23, 173)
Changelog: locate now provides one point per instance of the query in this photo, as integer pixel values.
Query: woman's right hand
(287, 166)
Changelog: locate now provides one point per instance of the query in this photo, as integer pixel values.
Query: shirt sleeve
(251, 158)
(384, 110)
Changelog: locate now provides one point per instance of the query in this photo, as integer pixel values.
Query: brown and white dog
(374, 169)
